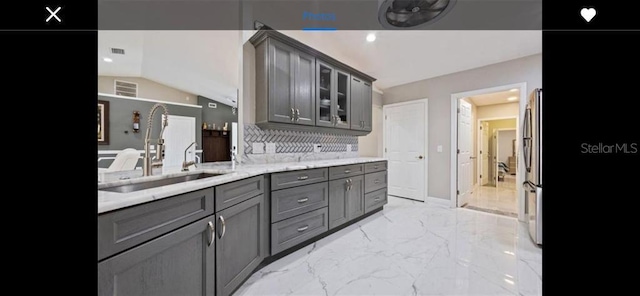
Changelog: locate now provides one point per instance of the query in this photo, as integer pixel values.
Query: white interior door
(465, 168)
(484, 154)
(405, 149)
(179, 134)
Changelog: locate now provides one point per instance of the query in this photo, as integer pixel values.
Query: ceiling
(204, 63)
(207, 63)
(496, 98)
(399, 57)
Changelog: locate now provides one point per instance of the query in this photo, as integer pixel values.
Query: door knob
(420, 157)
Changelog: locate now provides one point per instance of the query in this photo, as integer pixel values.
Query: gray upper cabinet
(300, 88)
(346, 200)
(361, 104)
(281, 85)
(241, 243)
(181, 262)
(290, 84)
(305, 89)
(333, 96)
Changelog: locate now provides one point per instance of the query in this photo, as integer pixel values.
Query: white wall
(505, 145)
(148, 89)
(439, 90)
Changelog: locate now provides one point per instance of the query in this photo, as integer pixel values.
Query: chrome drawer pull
(376, 199)
(376, 181)
(224, 226)
(347, 171)
(375, 167)
(303, 200)
(303, 177)
(211, 233)
(301, 229)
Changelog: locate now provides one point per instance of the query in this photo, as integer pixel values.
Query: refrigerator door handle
(531, 186)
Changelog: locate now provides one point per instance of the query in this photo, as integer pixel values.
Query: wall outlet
(317, 148)
(271, 148)
(258, 148)
(348, 147)
(439, 148)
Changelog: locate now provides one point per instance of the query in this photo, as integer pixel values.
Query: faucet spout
(186, 164)
(148, 164)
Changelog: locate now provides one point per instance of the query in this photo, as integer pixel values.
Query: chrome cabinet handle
(224, 226)
(293, 115)
(375, 167)
(376, 181)
(303, 228)
(303, 200)
(303, 177)
(347, 171)
(346, 183)
(212, 233)
(297, 115)
(376, 199)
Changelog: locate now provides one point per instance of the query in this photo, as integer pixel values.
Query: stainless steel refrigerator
(532, 152)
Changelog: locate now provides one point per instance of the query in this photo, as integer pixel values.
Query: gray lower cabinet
(294, 201)
(346, 200)
(290, 232)
(126, 228)
(181, 262)
(241, 243)
(375, 199)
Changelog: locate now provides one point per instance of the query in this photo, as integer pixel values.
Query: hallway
(499, 200)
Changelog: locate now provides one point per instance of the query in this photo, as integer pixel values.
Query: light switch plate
(258, 148)
(348, 147)
(439, 148)
(270, 148)
(317, 148)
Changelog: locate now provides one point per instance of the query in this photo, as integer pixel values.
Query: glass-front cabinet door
(342, 107)
(325, 97)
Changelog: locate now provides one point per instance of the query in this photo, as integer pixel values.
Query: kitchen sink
(157, 183)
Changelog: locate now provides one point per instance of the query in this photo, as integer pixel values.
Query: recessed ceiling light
(371, 37)
(514, 90)
(512, 98)
(108, 60)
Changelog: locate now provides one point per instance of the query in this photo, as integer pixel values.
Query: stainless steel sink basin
(157, 183)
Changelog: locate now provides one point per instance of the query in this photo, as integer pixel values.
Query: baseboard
(440, 201)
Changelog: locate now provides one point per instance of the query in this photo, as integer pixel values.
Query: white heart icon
(588, 13)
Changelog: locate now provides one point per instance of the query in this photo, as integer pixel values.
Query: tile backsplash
(297, 145)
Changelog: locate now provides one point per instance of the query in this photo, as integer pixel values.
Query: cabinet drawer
(294, 201)
(374, 200)
(375, 181)
(345, 171)
(235, 192)
(290, 232)
(375, 167)
(126, 228)
(297, 178)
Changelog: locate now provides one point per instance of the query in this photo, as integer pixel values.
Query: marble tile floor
(500, 199)
(411, 248)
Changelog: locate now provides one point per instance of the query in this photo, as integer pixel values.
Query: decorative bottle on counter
(204, 125)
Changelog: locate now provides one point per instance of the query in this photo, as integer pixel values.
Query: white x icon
(53, 14)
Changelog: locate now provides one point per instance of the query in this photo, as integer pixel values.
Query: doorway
(178, 135)
(485, 174)
(405, 147)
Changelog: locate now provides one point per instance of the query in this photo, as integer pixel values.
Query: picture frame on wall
(103, 122)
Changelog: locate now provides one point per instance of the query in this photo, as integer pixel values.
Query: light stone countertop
(109, 201)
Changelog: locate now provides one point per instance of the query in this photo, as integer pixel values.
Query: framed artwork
(103, 122)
